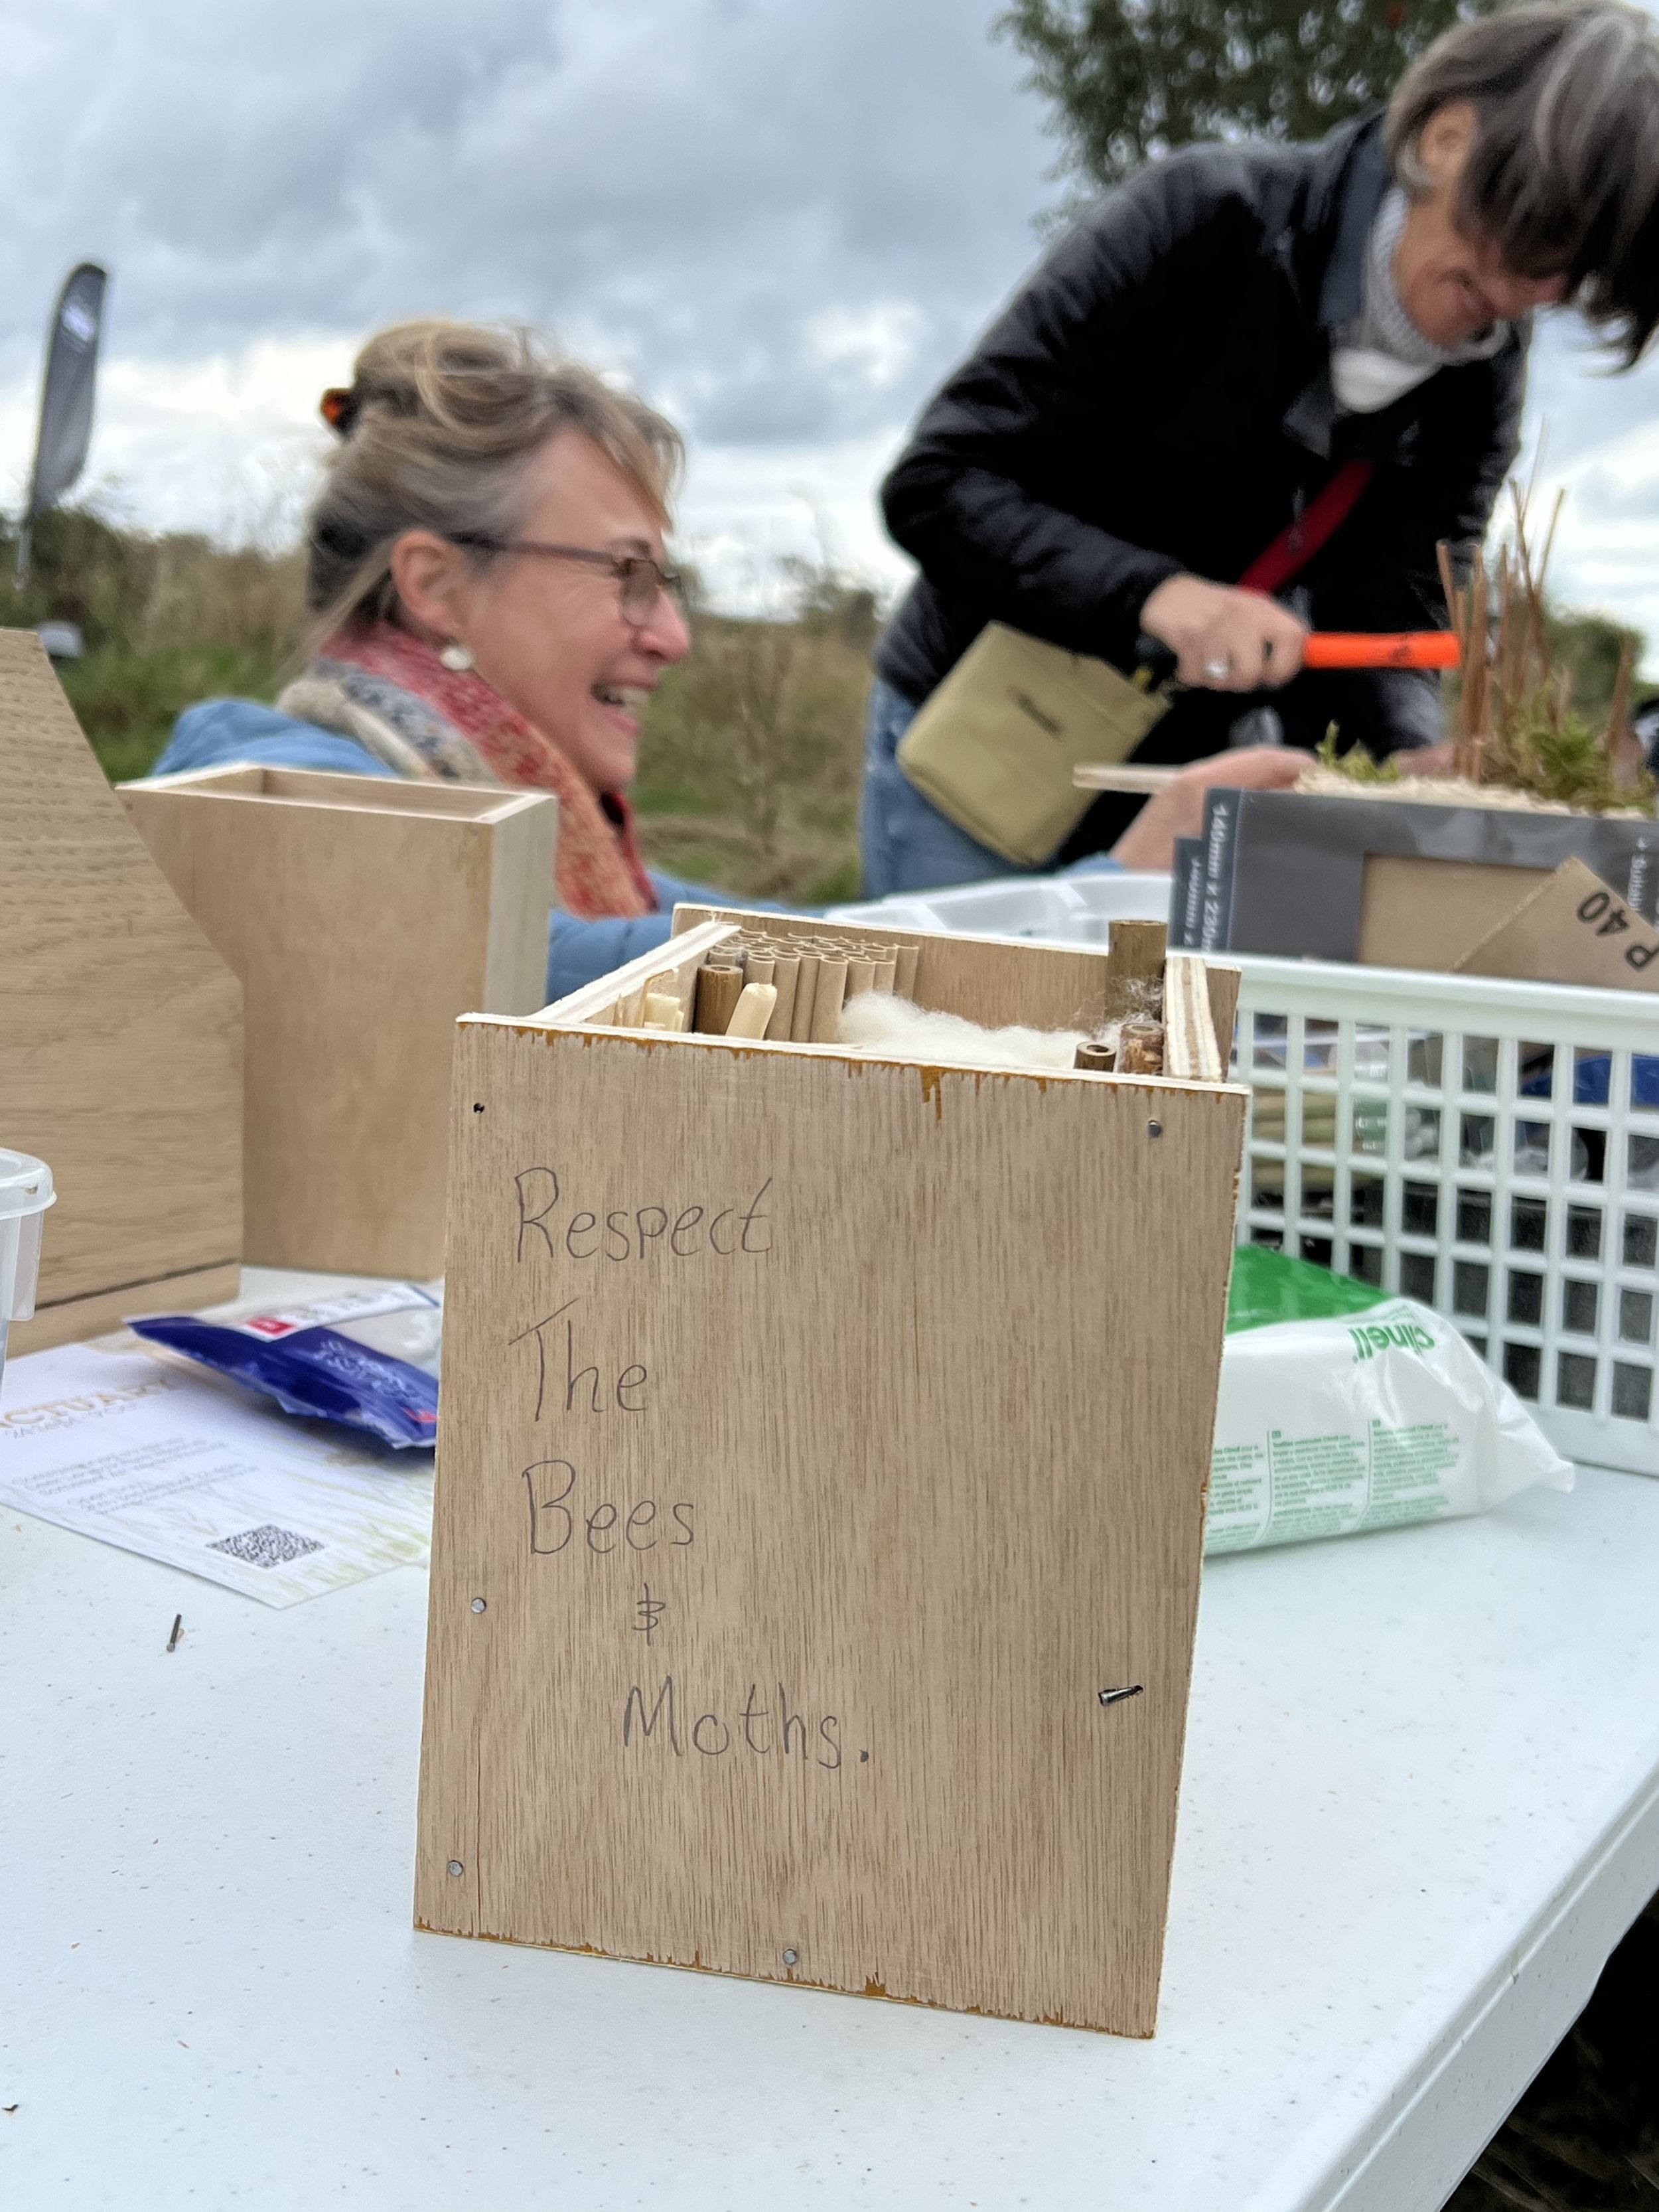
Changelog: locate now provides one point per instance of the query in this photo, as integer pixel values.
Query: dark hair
(1563, 176)
(435, 433)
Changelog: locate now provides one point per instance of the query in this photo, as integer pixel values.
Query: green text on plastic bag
(1269, 1287)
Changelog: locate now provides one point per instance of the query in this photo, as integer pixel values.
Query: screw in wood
(1155, 1129)
(792, 1958)
(478, 1605)
(455, 1867)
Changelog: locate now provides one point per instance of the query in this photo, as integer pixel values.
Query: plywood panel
(362, 917)
(120, 1027)
(822, 1437)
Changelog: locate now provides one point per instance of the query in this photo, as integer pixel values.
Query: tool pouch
(994, 746)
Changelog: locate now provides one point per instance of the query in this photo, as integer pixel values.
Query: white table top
(1421, 1805)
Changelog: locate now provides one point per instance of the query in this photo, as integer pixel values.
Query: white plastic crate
(1058, 910)
(1490, 1148)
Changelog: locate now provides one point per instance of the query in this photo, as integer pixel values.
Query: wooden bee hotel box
(821, 1484)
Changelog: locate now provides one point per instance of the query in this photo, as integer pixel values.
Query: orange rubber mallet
(1412, 648)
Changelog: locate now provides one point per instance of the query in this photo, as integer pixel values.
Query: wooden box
(362, 915)
(820, 1494)
(120, 1036)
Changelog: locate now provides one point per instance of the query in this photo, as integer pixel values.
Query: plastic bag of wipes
(368, 1358)
(1343, 1409)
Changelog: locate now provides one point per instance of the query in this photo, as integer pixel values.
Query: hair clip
(339, 409)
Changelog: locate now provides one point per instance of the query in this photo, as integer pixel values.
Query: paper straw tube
(806, 984)
(785, 974)
(826, 1006)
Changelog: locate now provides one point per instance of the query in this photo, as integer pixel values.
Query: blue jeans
(909, 845)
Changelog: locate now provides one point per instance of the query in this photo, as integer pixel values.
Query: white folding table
(1421, 1805)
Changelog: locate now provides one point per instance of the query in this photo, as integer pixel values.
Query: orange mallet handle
(1412, 648)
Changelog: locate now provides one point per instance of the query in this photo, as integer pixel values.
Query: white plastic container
(26, 1191)
(1062, 909)
(1488, 1148)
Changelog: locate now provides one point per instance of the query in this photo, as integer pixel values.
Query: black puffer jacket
(1157, 399)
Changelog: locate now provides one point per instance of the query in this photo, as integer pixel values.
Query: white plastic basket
(1490, 1148)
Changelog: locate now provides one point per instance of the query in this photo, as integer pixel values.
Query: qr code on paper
(268, 1546)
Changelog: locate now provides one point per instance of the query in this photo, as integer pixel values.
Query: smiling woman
(485, 564)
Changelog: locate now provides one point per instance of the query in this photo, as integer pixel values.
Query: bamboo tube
(826, 1004)
(718, 992)
(754, 1009)
(1140, 1049)
(860, 977)
(806, 985)
(1098, 1058)
(887, 969)
(785, 974)
(904, 982)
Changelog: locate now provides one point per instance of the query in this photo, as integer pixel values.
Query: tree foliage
(1130, 79)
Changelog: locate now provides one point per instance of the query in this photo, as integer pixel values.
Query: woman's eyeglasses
(643, 580)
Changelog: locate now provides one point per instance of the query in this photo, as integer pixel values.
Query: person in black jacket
(1209, 346)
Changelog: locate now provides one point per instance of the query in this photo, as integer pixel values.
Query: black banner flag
(66, 395)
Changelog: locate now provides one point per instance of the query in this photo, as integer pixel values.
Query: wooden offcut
(824, 1445)
(120, 1036)
(362, 915)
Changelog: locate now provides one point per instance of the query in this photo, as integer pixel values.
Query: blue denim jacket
(222, 730)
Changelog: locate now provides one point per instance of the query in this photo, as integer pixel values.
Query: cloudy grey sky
(783, 219)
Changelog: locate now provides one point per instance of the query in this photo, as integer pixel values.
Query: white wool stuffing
(878, 1021)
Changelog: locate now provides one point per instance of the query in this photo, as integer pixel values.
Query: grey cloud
(683, 187)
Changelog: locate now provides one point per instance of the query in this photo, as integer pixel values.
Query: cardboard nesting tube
(827, 1003)
(860, 977)
(806, 985)
(785, 974)
(758, 967)
(904, 982)
(753, 1011)
(887, 970)
(718, 992)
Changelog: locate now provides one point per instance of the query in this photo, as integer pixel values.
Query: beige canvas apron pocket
(995, 745)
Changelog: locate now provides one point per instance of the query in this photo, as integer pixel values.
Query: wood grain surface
(362, 916)
(822, 1437)
(120, 1027)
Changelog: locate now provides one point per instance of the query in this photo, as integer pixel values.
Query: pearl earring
(457, 656)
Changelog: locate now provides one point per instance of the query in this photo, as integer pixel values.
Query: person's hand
(1224, 639)
(1178, 811)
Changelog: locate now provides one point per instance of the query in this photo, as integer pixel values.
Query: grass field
(749, 767)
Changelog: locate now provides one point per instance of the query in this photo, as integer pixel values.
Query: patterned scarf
(391, 693)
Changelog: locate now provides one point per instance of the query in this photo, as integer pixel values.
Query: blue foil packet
(321, 1360)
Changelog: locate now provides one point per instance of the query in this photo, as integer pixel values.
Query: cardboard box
(821, 1490)
(362, 915)
(120, 1036)
(1394, 883)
